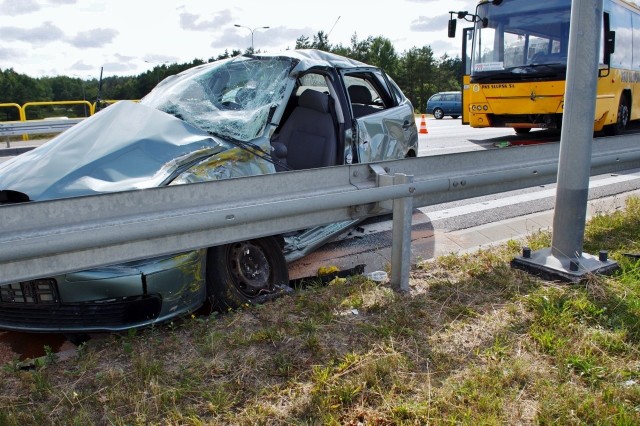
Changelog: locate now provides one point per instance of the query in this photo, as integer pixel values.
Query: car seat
(307, 139)
(361, 101)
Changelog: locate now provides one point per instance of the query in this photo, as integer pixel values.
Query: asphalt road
(448, 136)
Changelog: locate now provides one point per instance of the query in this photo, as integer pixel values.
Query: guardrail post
(565, 258)
(20, 116)
(402, 209)
(401, 237)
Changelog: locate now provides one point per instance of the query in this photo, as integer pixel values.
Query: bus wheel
(623, 118)
(246, 272)
(522, 130)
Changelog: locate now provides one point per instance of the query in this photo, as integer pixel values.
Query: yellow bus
(515, 59)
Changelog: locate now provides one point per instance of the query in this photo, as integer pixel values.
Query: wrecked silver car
(248, 115)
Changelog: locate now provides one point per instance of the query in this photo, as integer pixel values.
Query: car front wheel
(438, 113)
(245, 272)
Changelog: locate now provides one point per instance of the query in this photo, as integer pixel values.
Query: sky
(127, 37)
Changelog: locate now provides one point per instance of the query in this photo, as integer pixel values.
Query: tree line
(417, 71)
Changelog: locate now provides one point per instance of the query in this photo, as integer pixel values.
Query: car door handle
(406, 125)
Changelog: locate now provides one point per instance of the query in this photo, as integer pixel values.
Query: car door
(448, 104)
(457, 106)
(383, 124)
(433, 102)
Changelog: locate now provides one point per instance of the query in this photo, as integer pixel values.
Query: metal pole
(401, 237)
(565, 259)
(252, 31)
(577, 130)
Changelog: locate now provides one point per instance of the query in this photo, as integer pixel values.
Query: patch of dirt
(22, 346)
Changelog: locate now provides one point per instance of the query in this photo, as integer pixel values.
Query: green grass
(473, 342)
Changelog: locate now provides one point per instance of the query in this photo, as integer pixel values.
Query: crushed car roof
(311, 57)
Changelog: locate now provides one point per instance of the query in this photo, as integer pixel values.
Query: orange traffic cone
(423, 126)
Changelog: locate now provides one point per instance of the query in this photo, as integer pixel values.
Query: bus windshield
(522, 39)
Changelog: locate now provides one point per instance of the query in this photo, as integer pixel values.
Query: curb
(12, 152)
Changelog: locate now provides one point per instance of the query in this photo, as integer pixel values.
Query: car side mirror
(452, 28)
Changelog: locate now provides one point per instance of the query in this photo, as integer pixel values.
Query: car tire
(522, 130)
(623, 118)
(455, 116)
(246, 272)
(438, 113)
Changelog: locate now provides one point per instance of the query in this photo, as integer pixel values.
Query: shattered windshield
(522, 38)
(232, 98)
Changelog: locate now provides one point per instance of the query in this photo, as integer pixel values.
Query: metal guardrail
(86, 104)
(33, 127)
(59, 236)
(14, 105)
(26, 127)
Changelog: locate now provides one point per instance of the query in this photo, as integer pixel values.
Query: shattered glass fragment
(232, 98)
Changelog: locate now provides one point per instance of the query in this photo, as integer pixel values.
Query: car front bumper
(116, 298)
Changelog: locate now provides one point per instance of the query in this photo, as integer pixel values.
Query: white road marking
(516, 199)
(431, 216)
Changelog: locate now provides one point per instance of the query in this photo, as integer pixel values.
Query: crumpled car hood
(126, 146)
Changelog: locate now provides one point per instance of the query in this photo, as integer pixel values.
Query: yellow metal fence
(22, 114)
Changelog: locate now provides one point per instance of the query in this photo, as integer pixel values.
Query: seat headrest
(359, 94)
(314, 100)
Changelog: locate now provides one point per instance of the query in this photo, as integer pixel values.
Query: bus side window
(621, 40)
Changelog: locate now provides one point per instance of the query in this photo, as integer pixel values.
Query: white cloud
(21, 7)
(50, 35)
(193, 22)
(45, 33)
(10, 54)
(433, 23)
(81, 66)
(95, 38)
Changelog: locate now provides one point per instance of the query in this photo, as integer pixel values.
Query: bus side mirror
(452, 28)
(610, 46)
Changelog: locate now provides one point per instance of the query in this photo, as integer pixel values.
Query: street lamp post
(252, 30)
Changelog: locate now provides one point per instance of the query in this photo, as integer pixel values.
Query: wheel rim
(250, 268)
(623, 116)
